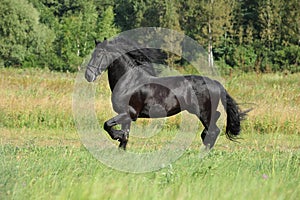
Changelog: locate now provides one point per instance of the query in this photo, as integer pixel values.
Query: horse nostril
(90, 77)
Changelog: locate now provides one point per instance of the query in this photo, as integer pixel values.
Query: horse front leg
(126, 129)
(120, 135)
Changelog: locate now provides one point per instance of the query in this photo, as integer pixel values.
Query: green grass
(42, 157)
(72, 173)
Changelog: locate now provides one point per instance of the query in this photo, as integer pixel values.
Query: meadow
(42, 155)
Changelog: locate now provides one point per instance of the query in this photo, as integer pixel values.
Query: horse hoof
(122, 145)
(204, 150)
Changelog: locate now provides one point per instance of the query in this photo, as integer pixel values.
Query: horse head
(103, 55)
(127, 52)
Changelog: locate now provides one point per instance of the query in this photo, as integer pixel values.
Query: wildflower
(265, 176)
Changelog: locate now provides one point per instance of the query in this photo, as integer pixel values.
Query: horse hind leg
(211, 131)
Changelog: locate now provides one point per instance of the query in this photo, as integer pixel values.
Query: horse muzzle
(90, 75)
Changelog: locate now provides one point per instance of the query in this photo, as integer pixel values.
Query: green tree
(149, 12)
(23, 39)
(107, 27)
(125, 14)
(48, 10)
(248, 13)
(291, 22)
(75, 32)
(169, 18)
(270, 22)
(75, 24)
(216, 24)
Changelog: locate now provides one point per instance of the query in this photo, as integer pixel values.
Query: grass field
(42, 156)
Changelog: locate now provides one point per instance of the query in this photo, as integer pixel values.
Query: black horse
(138, 93)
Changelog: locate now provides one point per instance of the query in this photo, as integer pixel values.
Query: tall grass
(41, 156)
(275, 99)
(72, 173)
(40, 99)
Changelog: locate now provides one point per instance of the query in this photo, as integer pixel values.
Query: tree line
(251, 35)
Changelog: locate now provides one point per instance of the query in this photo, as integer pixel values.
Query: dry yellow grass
(274, 97)
(36, 101)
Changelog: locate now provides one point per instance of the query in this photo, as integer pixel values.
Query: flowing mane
(141, 56)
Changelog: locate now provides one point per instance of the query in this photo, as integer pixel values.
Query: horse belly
(159, 103)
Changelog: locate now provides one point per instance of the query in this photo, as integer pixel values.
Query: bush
(287, 58)
(245, 57)
(22, 36)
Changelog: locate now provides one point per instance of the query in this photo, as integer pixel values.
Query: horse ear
(96, 42)
(105, 41)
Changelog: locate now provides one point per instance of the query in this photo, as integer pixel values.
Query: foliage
(106, 28)
(58, 34)
(23, 39)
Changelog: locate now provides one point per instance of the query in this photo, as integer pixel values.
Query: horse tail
(234, 116)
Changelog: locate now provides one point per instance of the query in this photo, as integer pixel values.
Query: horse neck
(117, 69)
